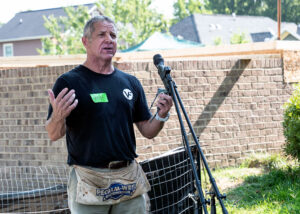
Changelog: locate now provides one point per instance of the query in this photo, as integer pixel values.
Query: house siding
(24, 48)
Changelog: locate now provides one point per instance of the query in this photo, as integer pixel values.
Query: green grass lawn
(265, 184)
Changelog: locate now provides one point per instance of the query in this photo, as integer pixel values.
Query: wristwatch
(157, 117)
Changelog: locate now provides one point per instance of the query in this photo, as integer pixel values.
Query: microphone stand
(164, 72)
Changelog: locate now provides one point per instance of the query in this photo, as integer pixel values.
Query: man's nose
(108, 37)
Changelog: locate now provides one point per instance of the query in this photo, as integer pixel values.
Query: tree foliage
(239, 7)
(135, 21)
(291, 124)
(66, 32)
(290, 9)
(218, 41)
(239, 38)
(184, 8)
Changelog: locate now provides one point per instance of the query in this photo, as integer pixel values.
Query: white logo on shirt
(128, 94)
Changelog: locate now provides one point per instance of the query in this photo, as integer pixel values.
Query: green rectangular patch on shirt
(99, 98)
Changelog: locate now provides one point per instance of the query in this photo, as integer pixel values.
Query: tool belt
(112, 187)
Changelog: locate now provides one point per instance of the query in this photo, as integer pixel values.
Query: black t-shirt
(100, 128)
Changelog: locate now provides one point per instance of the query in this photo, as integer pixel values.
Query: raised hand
(63, 104)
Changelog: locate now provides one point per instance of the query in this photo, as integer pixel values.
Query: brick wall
(234, 104)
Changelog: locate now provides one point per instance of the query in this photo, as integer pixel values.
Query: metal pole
(278, 19)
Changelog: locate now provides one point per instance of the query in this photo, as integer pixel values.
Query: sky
(11, 7)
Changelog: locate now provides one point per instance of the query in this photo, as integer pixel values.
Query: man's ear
(84, 41)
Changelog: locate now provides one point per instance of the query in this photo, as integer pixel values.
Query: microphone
(163, 70)
(158, 61)
(159, 64)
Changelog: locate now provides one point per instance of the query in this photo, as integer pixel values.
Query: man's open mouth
(108, 48)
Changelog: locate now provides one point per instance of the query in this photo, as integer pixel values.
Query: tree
(239, 38)
(66, 32)
(290, 8)
(184, 8)
(218, 41)
(135, 20)
(239, 7)
(180, 10)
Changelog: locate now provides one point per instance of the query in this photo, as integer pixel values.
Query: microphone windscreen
(157, 59)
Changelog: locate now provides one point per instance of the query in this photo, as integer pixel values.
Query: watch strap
(157, 117)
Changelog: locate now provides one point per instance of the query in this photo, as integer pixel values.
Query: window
(8, 49)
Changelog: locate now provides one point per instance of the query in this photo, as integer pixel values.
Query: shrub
(291, 124)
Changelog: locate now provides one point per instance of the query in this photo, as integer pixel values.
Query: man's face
(103, 41)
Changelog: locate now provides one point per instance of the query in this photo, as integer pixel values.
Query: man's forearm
(55, 129)
(150, 128)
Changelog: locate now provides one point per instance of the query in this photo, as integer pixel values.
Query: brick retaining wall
(234, 103)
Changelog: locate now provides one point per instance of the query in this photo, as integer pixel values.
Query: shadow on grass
(277, 189)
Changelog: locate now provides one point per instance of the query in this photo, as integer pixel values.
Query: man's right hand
(63, 104)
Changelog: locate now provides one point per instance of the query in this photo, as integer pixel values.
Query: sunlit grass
(262, 184)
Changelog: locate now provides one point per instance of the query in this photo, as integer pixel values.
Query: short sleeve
(141, 109)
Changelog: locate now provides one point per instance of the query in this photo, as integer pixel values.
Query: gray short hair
(89, 26)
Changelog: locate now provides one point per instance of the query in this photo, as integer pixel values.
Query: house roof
(29, 24)
(162, 41)
(288, 35)
(206, 28)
